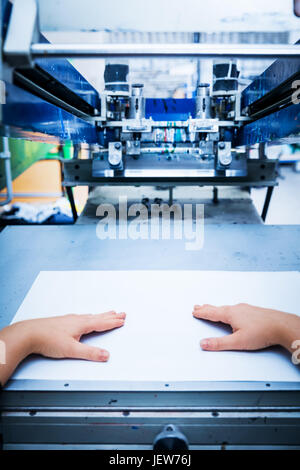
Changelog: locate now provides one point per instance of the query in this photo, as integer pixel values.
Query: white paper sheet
(160, 340)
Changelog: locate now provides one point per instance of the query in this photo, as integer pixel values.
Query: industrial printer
(133, 140)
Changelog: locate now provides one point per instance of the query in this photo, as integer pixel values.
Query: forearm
(15, 346)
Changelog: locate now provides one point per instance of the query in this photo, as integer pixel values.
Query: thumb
(223, 343)
(90, 353)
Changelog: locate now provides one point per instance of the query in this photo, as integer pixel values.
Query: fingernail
(105, 355)
(204, 343)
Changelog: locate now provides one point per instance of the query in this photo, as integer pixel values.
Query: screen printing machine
(203, 141)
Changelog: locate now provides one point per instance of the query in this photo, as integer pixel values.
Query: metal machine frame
(61, 95)
(216, 415)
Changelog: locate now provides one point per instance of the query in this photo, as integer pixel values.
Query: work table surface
(27, 250)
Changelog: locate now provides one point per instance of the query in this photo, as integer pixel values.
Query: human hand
(252, 327)
(59, 337)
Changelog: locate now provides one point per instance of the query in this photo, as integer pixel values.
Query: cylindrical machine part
(203, 104)
(225, 76)
(137, 102)
(115, 77)
(115, 154)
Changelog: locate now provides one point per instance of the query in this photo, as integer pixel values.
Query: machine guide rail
(41, 83)
(196, 51)
(238, 414)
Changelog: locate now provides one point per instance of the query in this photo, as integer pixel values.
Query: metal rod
(5, 155)
(70, 195)
(215, 195)
(33, 195)
(267, 203)
(262, 150)
(159, 409)
(171, 196)
(77, 148)
(197, 41)
(165, 50)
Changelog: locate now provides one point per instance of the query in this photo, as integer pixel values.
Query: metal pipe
(5, 155)
(165, 50)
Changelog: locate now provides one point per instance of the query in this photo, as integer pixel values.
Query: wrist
(289, 330)
(21, 332)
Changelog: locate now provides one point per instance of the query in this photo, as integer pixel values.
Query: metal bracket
(137, 125)
(22, 31)
(203, 125)
(224, 153)
(115, 155)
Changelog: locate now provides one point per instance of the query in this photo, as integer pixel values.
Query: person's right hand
(252, 327)
(59, 337)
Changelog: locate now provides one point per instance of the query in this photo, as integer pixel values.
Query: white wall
(168, 15)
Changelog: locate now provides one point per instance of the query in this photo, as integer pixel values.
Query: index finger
(212, 313)
(102, 322)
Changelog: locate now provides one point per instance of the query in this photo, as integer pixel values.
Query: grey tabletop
(27, 250)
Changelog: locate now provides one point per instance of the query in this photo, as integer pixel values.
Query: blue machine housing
(170, 109)
(30, 117)
(282, 123)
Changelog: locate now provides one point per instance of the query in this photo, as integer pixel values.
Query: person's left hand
(252, 327)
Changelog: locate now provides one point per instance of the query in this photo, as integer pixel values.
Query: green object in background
(24, 153)
(68, 150)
